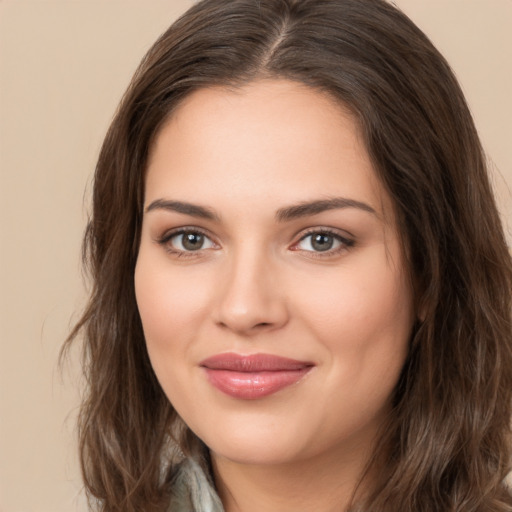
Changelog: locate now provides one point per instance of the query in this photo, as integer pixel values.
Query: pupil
(193, 241)
(322, 242)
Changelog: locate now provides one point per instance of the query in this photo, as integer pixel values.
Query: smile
(254, 376)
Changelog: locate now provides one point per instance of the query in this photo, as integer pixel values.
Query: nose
(250, 299)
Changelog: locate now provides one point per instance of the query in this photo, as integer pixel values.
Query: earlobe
(415, 329)
(421, 302)
(421, 313)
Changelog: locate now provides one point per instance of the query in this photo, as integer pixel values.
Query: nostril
(244, 308)
(256, 327)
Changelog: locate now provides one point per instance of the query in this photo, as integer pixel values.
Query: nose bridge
(250, 299)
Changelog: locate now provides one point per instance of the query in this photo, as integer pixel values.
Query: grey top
(192, 490)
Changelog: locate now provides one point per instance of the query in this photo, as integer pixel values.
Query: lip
(254, 376)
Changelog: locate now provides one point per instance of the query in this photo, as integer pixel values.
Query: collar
(193, 490)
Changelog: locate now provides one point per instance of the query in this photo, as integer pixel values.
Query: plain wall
(63, 67)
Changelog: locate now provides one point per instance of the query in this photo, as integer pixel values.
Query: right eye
(186, 241)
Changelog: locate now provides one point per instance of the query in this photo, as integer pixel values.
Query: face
(270, 278)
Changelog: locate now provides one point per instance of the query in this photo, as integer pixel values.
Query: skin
(259, 285)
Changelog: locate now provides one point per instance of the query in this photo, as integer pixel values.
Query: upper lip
(253, 363)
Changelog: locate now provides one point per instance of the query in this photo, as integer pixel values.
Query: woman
(301, 287)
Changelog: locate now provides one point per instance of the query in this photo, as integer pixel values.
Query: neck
(325, 483)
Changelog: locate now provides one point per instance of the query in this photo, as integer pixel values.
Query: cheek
(172, 308)
(173, 305)
(170, 302)
(363, 317)
(354, 302)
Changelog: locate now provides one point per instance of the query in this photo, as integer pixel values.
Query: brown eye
(192, 241)
(323, 241)
(189, 241)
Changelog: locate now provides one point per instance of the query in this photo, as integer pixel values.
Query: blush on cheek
(171, 305)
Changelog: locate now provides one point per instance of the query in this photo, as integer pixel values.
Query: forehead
(276, 140)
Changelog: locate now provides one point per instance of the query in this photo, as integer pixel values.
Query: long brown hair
(448, 441)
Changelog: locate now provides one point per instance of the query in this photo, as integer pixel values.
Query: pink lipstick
(253, 376)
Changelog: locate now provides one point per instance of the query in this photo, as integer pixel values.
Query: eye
(188, 240)
(323, 242)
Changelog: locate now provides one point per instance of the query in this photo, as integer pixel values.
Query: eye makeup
(186, 242)
(317, 242)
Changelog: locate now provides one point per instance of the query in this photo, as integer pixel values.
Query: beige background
(63, 67)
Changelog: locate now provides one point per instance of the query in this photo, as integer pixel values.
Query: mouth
(253, 376)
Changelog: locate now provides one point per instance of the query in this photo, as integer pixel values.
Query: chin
(258, 443)
(256, 454)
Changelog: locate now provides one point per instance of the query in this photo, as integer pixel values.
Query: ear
(421, 305)
(421, 313)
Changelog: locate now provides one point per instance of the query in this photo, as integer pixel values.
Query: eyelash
(345, 243)
(166, 238)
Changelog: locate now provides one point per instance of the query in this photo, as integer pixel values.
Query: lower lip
(254, 385)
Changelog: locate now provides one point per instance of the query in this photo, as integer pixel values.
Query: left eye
(188, 241)
(321, 242)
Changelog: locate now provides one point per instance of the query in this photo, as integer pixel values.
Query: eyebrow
(285, 214)
(315, 207)
(193, 210)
